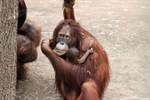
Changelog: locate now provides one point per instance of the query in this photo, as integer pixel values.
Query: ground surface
(123, 29)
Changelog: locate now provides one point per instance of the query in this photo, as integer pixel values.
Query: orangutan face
(63, 41)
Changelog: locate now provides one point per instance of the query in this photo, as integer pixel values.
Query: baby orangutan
(72, 55)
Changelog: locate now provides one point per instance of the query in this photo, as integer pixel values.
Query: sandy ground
(123, 29)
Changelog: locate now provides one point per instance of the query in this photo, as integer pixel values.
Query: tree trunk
(8, 26)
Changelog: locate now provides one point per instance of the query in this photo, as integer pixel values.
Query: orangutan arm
(84, 57)
(60, 65)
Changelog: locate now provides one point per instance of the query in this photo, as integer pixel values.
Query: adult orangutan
(28, 38)
(77, 81)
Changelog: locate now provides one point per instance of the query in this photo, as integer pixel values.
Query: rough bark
(8, 26)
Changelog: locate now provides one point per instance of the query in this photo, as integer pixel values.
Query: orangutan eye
(60, 35)
(67, 37)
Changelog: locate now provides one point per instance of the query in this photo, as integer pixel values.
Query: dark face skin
(63, 40)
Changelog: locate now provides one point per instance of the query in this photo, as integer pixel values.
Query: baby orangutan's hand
(90, 50)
